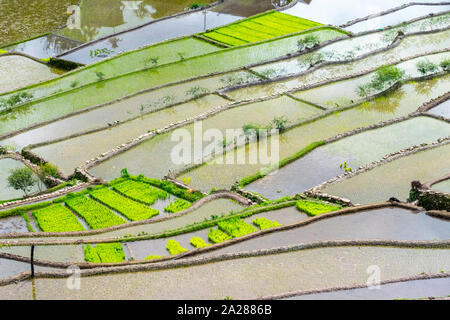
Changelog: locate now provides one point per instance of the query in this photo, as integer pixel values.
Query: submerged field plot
(115, 153)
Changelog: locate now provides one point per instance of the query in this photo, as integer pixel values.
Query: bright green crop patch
(177, 206)
(314, 208)
(263, 223)
(235, 227)
(198, 242)
(259, 28)
(131, 209)
(104, 253)
(152, 257)
(96, 215)
(174, 247)
(57, 218)
(140, 191)
(217, 236)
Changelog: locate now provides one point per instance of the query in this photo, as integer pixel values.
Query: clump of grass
(73, 84)
(100, 75)
(445, 65)
(426, 66)
(197, 91)
(197, 5)
(384, 77)
(13, 100)
(308, 42)
(314, 208)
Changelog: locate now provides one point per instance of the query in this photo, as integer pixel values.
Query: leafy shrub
(47, 169)
(131, 209)
(57, 218)
(263, 223)
(235, 227)
(314, 208)
(140, 191)
(198, 242)
(177, 206)
(217, 236)
(96, 215)
(174, 247)
(426, 66)
(309, 41)
(384, 77)
(445, 65)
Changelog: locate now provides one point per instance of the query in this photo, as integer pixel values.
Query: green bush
(217, 236)
(235, 227)
(384, 77)
(263, 223)
(177, 206)
(174, 247)
(314, 208)
(425, 67)
(57, 218)
(198, 242)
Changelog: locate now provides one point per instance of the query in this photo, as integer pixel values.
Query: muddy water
(361, 149)
(18, 71)
(13, 224)
(95, 19)
(442, 110)
(237, 279)
(443, 186)
(154, 157)
(121, 111)
(401, 102)
(6, 193)
(365, 187)
(418, 289)
(22, 19)
(407, 48)
(388, 223)
(43, 47)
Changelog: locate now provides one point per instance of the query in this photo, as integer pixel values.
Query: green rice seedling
(198, 242)
(57, 218)
(314, 208)
(217, 236)
(152, 257)
(140, 191)
(177, 206)
(263, 223)
(235, 227)
(174, 247)
(426, 66)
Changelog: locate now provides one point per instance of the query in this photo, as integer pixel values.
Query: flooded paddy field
(238, 279)
(18, 71)
(388, 223)
(324, 163)
(398, 103)
(361, 188)
(419, 289)
(261, 113)
(149, 143)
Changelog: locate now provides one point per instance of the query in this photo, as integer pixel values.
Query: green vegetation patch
(198, 242)
(235, 227)
(314, 208)
(177, 206)
(95, 215)
(140, 191)
(263, 223)
(57, 218)
(131, 209)
(104, 253)
(217, 236)
(174, 247)
(258, 28)
(152, 257)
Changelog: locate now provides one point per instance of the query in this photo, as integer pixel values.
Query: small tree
(22, 179)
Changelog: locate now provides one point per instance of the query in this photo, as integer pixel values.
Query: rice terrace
(230, 149)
